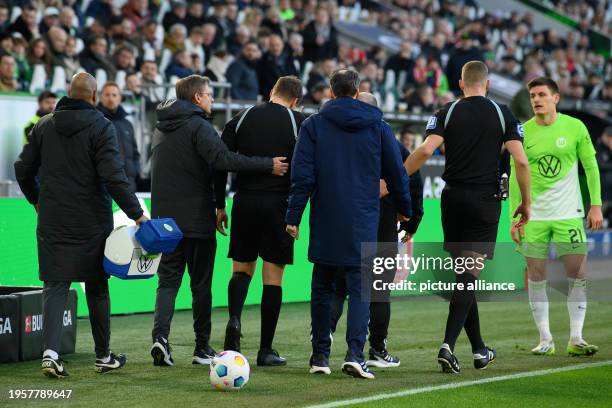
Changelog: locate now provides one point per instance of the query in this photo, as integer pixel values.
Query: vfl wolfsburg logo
(144, 264)
(549, 166)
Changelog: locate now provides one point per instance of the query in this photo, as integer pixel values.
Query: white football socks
(576, 307)
(538, 300)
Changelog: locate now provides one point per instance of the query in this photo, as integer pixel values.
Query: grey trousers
(55, 295)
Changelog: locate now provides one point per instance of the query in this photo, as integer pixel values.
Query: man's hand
(594, 219)
(279, 167)
(525, 211)
(517, 233)
(142, 219)
(294, 231)
(402, 218)
(383, 189)
(222, 221)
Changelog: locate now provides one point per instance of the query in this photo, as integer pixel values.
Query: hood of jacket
(72, 116)
(119, 114)
(351, 114)
(174, 113)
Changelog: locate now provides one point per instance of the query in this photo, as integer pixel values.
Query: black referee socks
(458, 311)
(237, 291)
(271, 300)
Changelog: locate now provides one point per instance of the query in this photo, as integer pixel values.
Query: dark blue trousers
(322, 291)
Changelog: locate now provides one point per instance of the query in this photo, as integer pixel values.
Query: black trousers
(199, 257)
(55, 295)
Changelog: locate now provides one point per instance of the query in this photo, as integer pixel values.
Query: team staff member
(380, 304)
(74, 151)
(46, 104)
(341, 154)
(554, 143)
(186, 152)
(473, 130)
(258, 212)
(110, 105)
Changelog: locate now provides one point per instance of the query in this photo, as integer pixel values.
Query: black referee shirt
(266, 130)
(473, 139)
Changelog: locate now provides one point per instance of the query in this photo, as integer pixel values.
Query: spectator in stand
(6, 43)
(217, 67)
(408, 139)
(193, 46)
(19, 51)
(372, 74)
(93, 57)
(137, 11)
(423, 99)
(263, 39)
(26, 24)
(237, 41)
(510, 67)
(37, 54)
(318, 94)
(220, 21)
(274, 23)
(242, 73)
(252, 19)
(150, 81)
(208, 42)
(71, 60)
(296, 48)
(124, 59)
(463, 54)
(50, 19)
(402, 62)
(419, 72)
(7, 74)
(180, 66)
(176, 15)
(4, 17)
(175, 39)
(273, 65)
(66, 21)
(146, 41)
(195, 14)
(321, 73)
(100, 9)
(320, 37)
(133, 85)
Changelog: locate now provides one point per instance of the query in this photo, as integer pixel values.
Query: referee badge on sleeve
(431, 123)
(519, 130)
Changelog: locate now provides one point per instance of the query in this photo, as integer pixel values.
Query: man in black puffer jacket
(186, 152)
(110, 106)
(75, 155)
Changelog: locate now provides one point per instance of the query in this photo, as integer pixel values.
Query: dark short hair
(288, 87)
(46, 95)
(187, 87)
(544, 81)
(109, 84)
(344, 82)
(474, 73)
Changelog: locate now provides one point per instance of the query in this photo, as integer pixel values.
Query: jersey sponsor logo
(561, 142)
(431, 123)
(520, 131)
(549, 166)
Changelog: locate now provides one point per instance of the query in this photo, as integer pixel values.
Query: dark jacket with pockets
(74, 151)
(340, 156)
(186, 152)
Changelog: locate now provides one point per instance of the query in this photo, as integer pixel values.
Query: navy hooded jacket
(340, 156)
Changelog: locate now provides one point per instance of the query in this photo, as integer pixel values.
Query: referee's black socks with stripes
(463, 312)
(237, 291)
(271, 300)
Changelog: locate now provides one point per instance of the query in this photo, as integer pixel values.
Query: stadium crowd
(250, 43)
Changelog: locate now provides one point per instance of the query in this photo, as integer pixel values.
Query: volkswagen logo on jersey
(549, 166)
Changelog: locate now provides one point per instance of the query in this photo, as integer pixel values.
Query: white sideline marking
(422, 390)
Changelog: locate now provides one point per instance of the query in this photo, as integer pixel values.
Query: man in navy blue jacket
(341, 154)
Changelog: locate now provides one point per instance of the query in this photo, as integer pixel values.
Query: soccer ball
(229, 371)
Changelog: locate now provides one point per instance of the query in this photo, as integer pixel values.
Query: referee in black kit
(473, 130)
(258, 212)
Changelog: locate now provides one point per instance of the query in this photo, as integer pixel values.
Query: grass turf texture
(416, 332)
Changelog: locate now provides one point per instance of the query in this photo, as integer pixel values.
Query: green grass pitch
(415, 335)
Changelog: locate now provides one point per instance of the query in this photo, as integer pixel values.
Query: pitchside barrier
(21, 323)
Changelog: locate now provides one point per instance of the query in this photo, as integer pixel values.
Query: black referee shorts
(258, 229)
(470, 218)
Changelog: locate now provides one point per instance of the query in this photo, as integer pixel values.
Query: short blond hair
(474, 73)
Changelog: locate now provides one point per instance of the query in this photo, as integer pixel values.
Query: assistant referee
(473, 130)
(258, 212)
